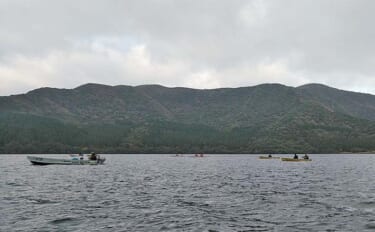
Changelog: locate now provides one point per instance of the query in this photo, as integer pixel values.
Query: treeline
(24, 133)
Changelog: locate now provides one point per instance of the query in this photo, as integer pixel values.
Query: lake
(166, 193)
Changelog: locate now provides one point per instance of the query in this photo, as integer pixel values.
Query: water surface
(214, 193)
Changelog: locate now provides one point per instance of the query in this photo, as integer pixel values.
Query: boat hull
(48, 161)
(295, 160)
(266, 157)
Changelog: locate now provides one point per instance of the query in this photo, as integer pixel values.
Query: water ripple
(163, 193)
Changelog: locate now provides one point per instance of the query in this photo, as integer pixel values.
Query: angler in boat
(269, 156)
(297, 159)
(306, 157)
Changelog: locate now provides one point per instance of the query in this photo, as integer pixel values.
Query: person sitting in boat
(80, 156)
(306, 157)
(269, 156)
(295, 156)
(93, 156)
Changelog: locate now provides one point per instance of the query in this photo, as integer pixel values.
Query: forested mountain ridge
(268, 118)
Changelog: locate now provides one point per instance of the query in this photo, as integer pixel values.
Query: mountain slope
(354, 104)
(155, 119)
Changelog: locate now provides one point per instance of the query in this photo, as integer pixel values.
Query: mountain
(354, 104)
(268, 118)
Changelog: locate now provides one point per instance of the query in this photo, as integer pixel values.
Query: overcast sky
(199, 44)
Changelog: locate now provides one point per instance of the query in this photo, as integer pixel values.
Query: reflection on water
(166, 193)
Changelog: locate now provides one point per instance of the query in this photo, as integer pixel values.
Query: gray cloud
(200, 44)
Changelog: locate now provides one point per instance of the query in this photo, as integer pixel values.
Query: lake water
(214, 193)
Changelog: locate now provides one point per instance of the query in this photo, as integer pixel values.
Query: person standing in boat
(295, 156)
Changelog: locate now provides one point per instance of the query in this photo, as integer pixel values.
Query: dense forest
(269, 118)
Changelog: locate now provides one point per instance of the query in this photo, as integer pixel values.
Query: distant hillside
(269, 118)
(354, 104)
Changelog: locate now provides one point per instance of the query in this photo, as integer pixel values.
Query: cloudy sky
(199, 44)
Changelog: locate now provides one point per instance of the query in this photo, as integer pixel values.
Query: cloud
(205, 44)
(102, 61)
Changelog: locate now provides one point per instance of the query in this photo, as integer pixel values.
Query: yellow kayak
(295, 160)
(266, 157)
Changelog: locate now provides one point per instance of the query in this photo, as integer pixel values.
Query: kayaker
(295, 156)
(306, 157)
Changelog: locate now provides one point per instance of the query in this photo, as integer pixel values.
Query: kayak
(294, 160)
(266, 157)
(45, 161)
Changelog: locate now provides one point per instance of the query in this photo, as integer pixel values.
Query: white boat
(73, 161)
